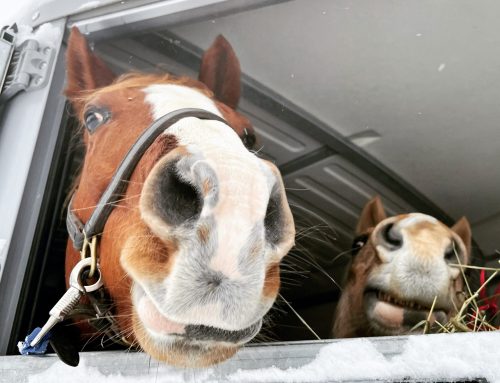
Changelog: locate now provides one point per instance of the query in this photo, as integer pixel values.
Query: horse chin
(388, 315)
(183, 345)
(180, 352)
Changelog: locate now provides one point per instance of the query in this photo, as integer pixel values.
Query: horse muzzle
(388, 314)
(184, 344)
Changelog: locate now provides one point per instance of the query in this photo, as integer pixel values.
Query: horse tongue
(155, 321)
(389, 315)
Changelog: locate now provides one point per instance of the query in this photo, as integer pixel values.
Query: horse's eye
(451, 253)
(95, 117)
(248, 139)
(358, 243)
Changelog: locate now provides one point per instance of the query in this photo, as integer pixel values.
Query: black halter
(79, 232)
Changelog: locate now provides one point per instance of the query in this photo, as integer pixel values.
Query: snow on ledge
(424, 357)
(433, 357)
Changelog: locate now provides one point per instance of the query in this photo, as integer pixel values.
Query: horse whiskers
(257, 151)
(131, 182)
(346, 252)
(311, 228)
(286, 284)
(111, 203)
(276, 307)
(315, 233)
(320, 269)
(300, 317)
(262, 338)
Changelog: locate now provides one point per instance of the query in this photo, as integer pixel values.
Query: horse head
(404, 264)
(190, 253)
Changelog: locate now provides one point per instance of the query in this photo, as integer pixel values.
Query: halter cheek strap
(83, 235)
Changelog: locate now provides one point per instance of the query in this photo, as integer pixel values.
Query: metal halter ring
(92, 246)
(75, 278)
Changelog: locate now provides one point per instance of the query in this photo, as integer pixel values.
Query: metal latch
(24, 67)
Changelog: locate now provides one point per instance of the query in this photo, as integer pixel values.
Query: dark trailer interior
(350, 102)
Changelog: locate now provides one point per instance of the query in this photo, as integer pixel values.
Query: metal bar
(160, 15)
(28, 139)
(284, 361)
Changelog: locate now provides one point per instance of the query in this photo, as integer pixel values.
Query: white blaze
(243, 180)
(415, 218)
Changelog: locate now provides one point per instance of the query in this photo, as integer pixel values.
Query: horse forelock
(137, 80)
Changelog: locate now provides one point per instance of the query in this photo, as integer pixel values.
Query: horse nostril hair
(392, 237)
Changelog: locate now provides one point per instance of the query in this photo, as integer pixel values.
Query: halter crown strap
(76, 229)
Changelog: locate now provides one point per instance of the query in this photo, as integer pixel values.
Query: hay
(469, 317)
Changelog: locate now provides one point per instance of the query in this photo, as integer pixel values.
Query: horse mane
(135, 80)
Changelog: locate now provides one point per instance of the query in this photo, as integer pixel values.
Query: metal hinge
(24, 67)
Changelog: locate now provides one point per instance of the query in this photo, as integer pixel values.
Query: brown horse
(402, 266)
(190, 254)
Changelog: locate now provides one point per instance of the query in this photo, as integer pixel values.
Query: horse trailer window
(381, 120)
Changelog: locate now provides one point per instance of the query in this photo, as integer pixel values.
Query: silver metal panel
(35, 13)
(337, 190)
(277, 140)
(28, 132)
(160, 14)
(126, 367)
(126, 55)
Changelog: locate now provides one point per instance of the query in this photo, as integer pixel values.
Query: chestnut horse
(402, 265)
(190, 254)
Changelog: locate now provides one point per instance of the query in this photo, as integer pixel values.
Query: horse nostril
(392, 237)
(174, 199)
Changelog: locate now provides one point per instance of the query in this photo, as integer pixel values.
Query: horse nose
(390, 237)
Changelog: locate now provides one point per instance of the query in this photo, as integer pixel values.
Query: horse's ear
(220, 72)
(463, 230)
(372, 214)
(85, 70)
